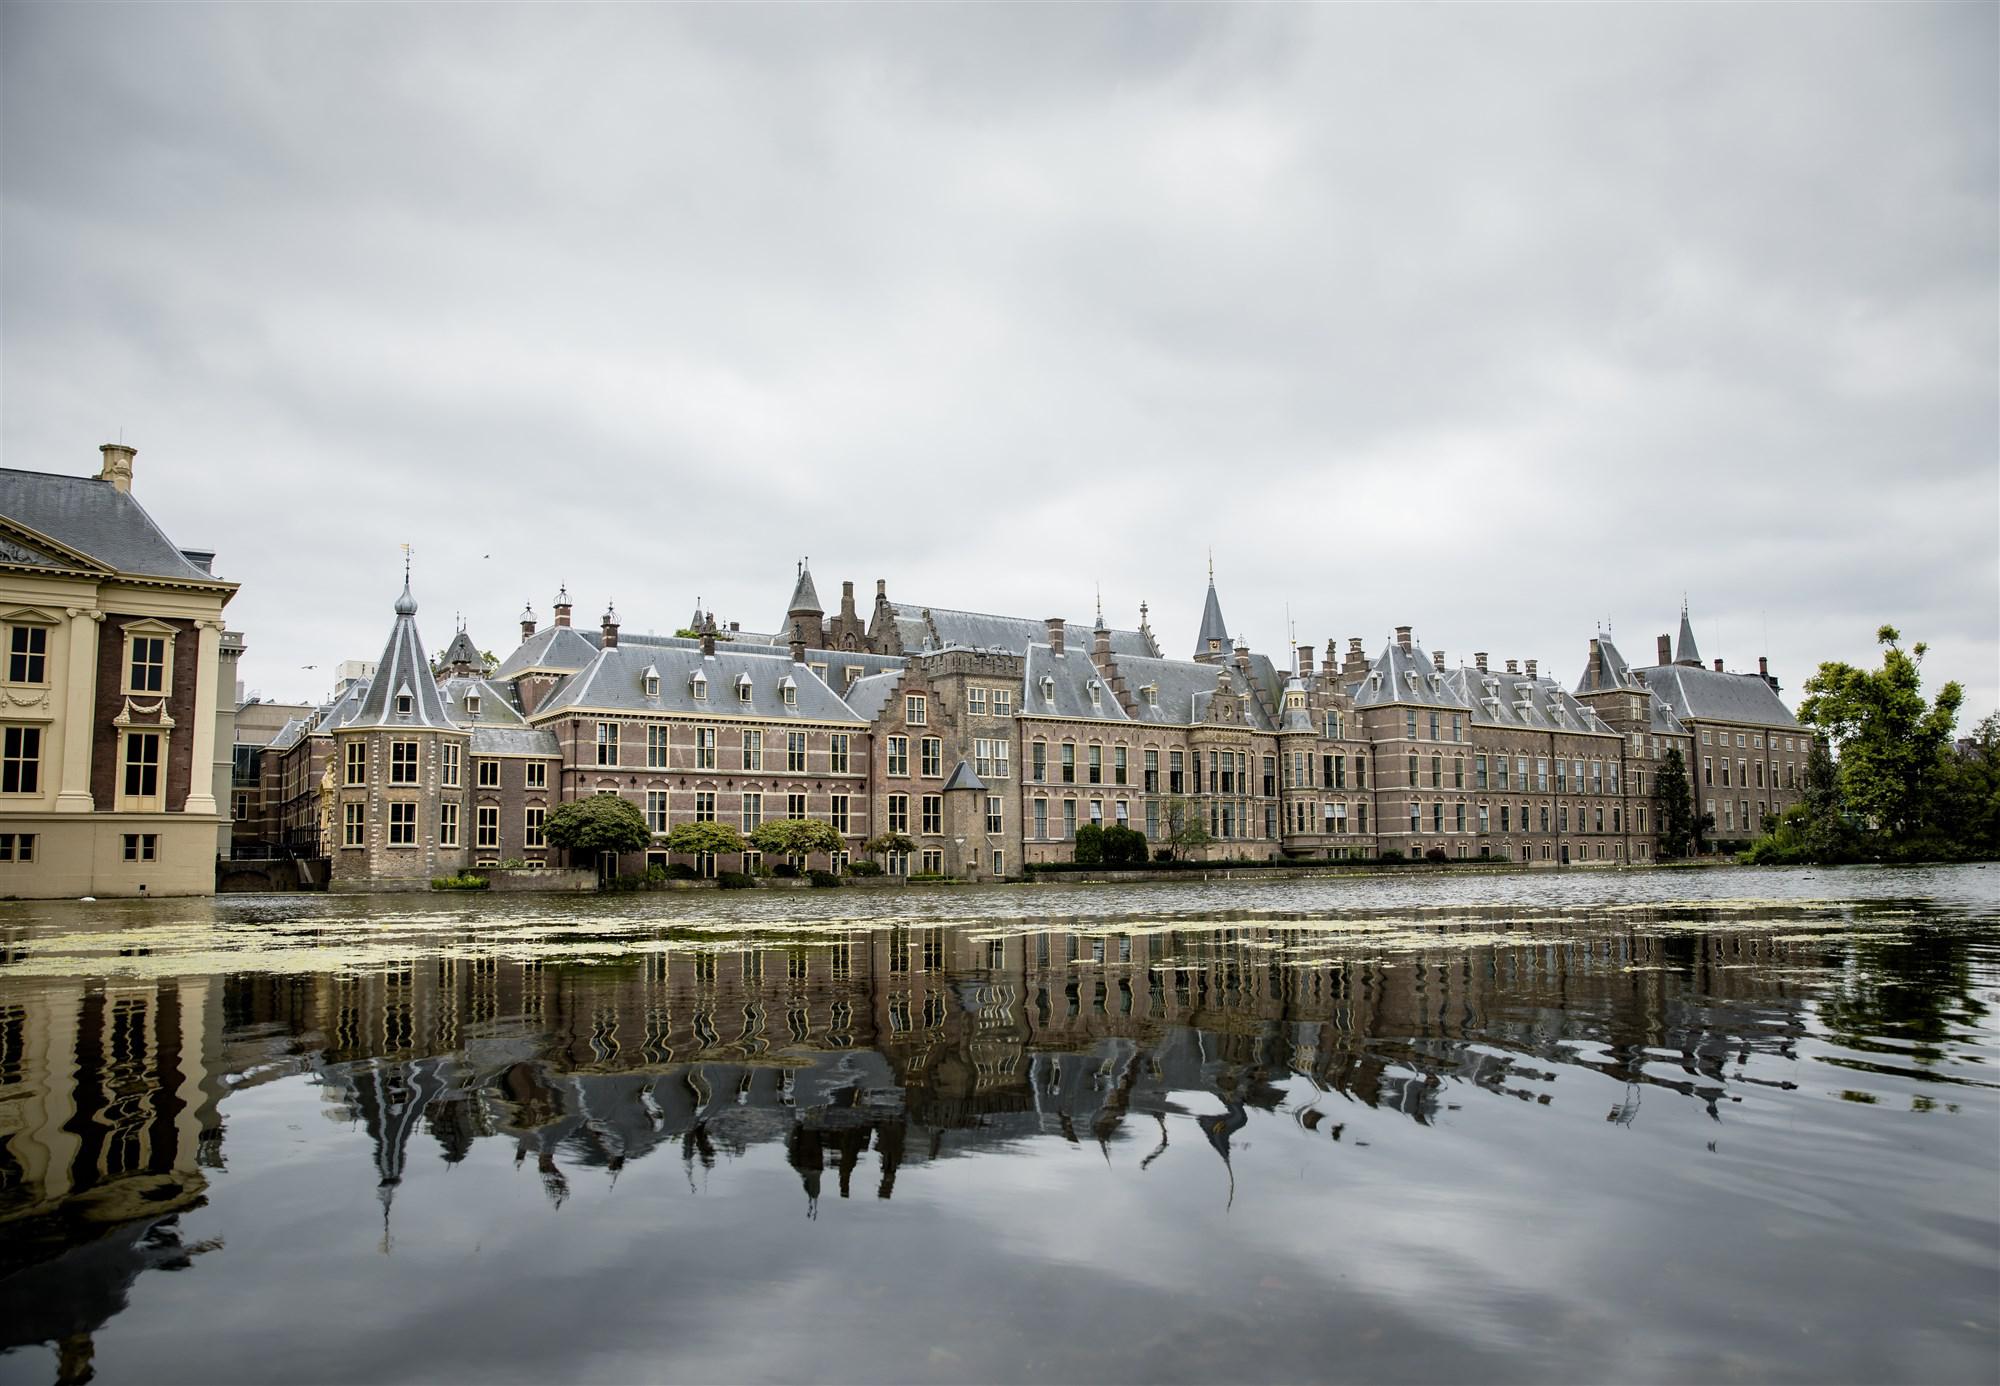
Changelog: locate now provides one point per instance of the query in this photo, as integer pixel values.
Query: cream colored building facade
(110, 693)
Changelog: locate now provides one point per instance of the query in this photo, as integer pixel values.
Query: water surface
(1719, 1125)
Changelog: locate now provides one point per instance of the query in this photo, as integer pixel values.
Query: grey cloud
(1499, 321)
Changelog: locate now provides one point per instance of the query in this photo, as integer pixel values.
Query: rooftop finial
(1211, 566)
(1100, 604)
(406, 605)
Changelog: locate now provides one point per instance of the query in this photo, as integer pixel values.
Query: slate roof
(461, 650)
(1213, 627)
(1405, 676)
(962, 777)
(403, 670)
(1615, 673)
(1515, 700)
(615, 680)
(1183, 691)
(1684, 650)
(289, 734)
(97, 519)
(924, 628)
(870, 693)
(804, 596)
(496, 703)
(1705, 694)
(562, 648)
(1060, 686)
(514, 741)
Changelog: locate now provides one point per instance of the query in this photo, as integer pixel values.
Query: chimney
(1242, 656)
(610, 627)
(1596, 669)
(117, 467)
(1718, 664)
(799, 641)
(1403, 638)
(1764, 668)
(1479, 661)
(527, 623)
(1437, 660)
(1513, 666)
(708, 639)
(1100, 646)
(1640, 675)
(1357, 662)
(1530, 667)
(847, 600)
(1305, 661)
(562, 606)
(1665, 655)
(1055, 625)
(735, 626)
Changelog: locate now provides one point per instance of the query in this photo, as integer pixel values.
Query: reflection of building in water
(918, 1043)
(108, 1126)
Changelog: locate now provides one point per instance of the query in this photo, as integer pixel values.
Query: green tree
(1124, 846)
(599, 825)
(1673, 800)
(794, 837)
(1089, 849)
(714, 839)
(1968, 803)
(1814, 829)
(882, 844)
(1890, 744)
(1185, 827)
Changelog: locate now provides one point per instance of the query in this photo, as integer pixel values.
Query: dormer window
(698, 685)
(652, 685)
(790, 690)
(1151, 693)
(1096, 694)
(404, 702)
(743, 688)
(1048, 688)
(472, 705)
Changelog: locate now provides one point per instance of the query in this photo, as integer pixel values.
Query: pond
(1644, 1126)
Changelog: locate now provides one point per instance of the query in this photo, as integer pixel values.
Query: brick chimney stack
(117, 468)
(1718, 664)
(1055, 625)
(1529, 665)
(1596, 671)
(1513, 666)
(799, 634)
(1305, 661)
(609, 626)
(527, 623)
(1665, 654)
(1437, 660)
(1403, 639)
(1356, 663)
(1479, 661)
(562, 605)
(1100, 646)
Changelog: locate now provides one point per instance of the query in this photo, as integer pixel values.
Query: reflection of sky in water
(1322, 1132)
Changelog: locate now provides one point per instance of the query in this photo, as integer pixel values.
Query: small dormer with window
(405, 701)
(1150, 695)
(472, 705)
(744, 689)
(789, 690)
(698, 686)
(649, 679)
(1048, 688)
(1096, 696)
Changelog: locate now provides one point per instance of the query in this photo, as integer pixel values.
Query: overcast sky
(1498, 321)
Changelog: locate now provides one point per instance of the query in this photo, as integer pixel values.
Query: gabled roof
(1061, 686)
(514, 741)
(922, 628)
(96, 519)
(615, 680)
(461, 650)
(561, 648)
(869, 694)
(1694, 693)
(496, 703)
(1182, 690)
(1515, 700)
(1405, 676)
(1614, 674)
(403, 671)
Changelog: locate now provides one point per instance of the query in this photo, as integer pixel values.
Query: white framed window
(744, 689)
(402, 824)
(795, 805)
(657, 747)
(898, 817)
(448, 825)
(404, 704)
(537, 775)
(402, 762)
(837, 813)
(975, 702)
(995, 814)
(142, 846)
(698, 685)
(656, 810)
(753, 750)
(488, 773)
(147, 659)
(795, 751)
(607, 743)
(21, 760)
(897, 756)
(915, 710)
(933, 811)
(531, 827)
(357, 763)
(931, 757)
(27, 654)
(143, 761)
(836, 753)
(353, 825)
(449, 764)
(486, 826)
(753, 811)
(1003, 702)
(704, 748)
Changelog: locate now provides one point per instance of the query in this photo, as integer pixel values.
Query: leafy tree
(599, 825)
(1674, 806)
(1184, 824)
(1890, 743)
(715, 839)
(1123, 846)
(1968, 808)
(794, 837)
(1089, 845)
(882, 844)
(1815, 829)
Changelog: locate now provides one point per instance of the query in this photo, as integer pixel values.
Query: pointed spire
(1212, 641)
(1100, 607)
(805, 597)
(1684, 649)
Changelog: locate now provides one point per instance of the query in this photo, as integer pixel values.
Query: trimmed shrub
(467, 881)
(1436, 854)
(864, 868)
(679, 871)
(785, 870)
(736, 880)
(1089, 846)
(822, 879)
(1390, 857)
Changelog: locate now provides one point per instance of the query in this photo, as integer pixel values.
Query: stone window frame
(354, 763)
(405, 773)
(353, 824)
(154, 802)
(18, 765)
(753, 748)
(752, 810)
(135, 631)
(485, 822)
(451, 765)
(839, 750)
(535, 775)
(916, 710)
(532, 819)
(448, 823)
(403, 821)
(930, 757)
(21, 623)
(141, 847)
